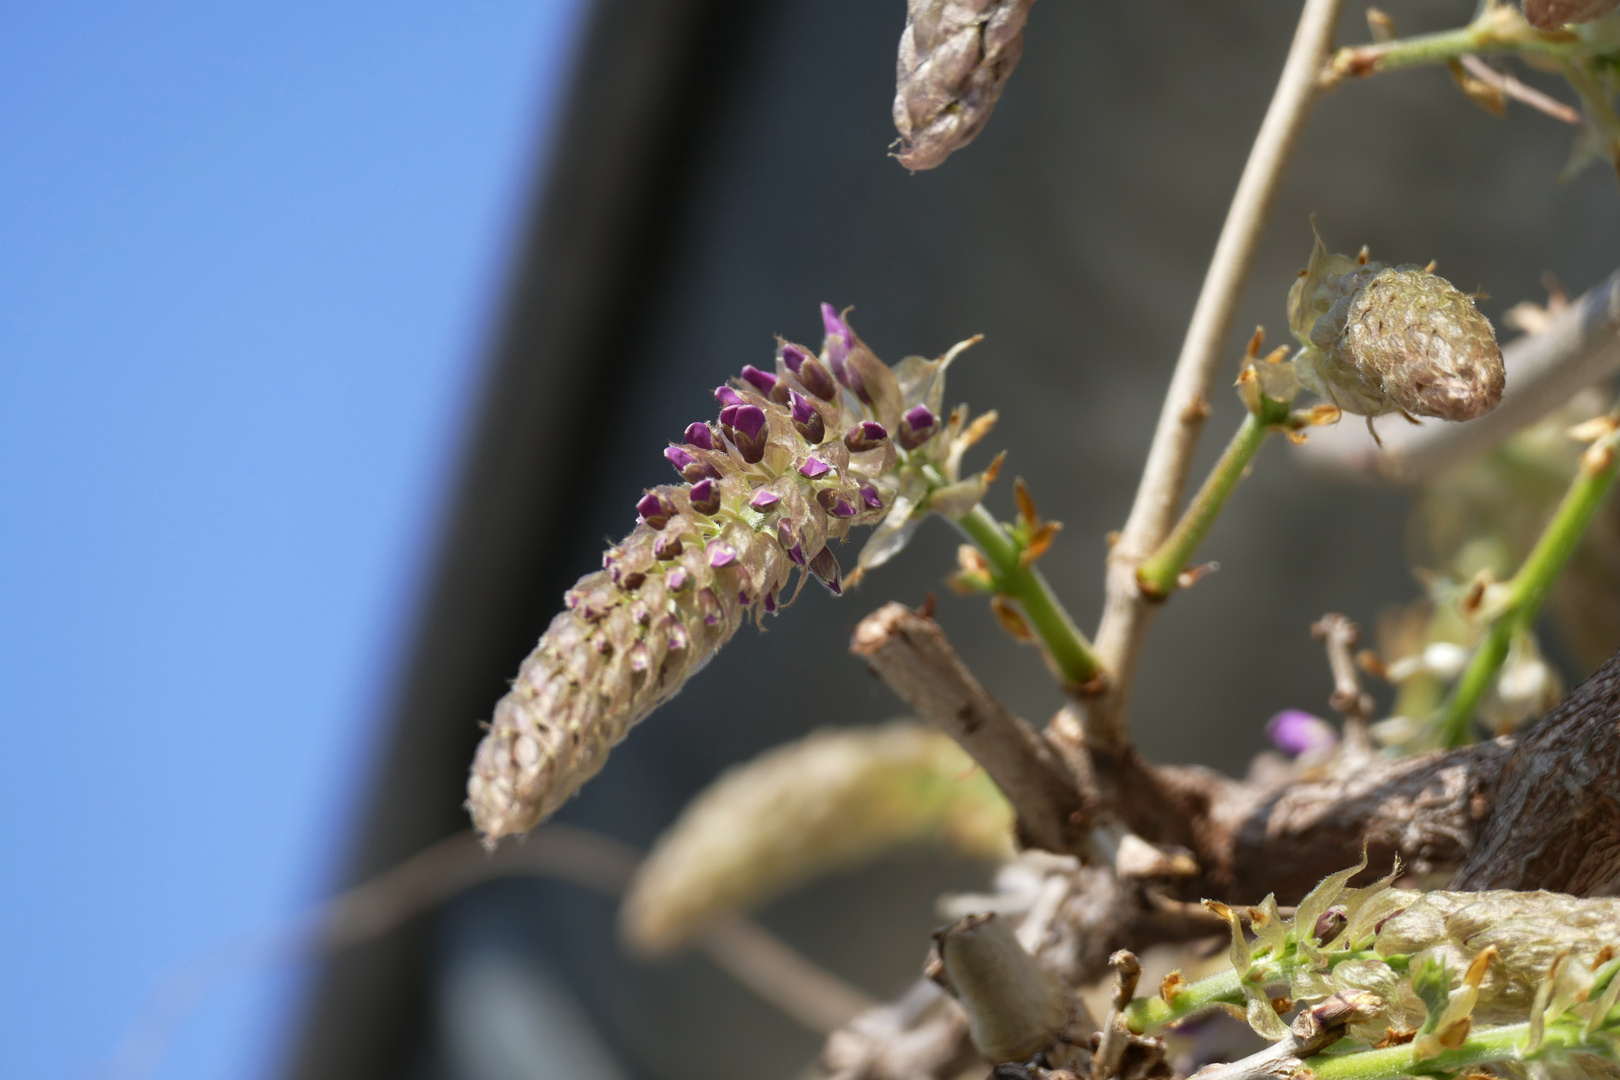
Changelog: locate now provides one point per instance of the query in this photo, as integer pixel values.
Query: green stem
(1494, 32)
(1146, 1014)
(1065, 644)
(1482, 1045)
(1158, 575)
(1529, 589)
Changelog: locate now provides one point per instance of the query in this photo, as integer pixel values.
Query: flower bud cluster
(798, 456)
(1380, 339)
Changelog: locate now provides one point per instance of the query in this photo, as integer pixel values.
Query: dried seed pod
(1380, 339)
(829, 801)
(765, 492)
(955, 58)
(1551, 14)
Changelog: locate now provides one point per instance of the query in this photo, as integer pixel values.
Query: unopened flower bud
(807, 420)
(748, 431)
(655, 509)
(764, 499)
(835, 504)
(705, 497)
(839, 342)
(725, 395)
(955, 58)
(766, 383)
(825, 567)
(1382, 339)
(815, 378)
(814, 468)
(866, 435)
(917, 426)
(1296, 732)
(688, 466)
(1329, 923)
(871, 497)
(667, 547)
(721, 554)
(675, 581)
(700, 435)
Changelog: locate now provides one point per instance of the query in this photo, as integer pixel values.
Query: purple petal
(677, 579)
(728, 415)
(742, 596)
(794, 357)
(700, 436)
(764, 499)
(813, 468)
(834, 325)
(843, 509)
(1296, 732)
(870, 496)
(679, 458)
(763, 381)
(749, 420)
(803, 411)
(721, 554)
(725, 395)
(770, 601)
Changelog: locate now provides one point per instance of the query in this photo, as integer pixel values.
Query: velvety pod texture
(797, 456)
(1381, 339)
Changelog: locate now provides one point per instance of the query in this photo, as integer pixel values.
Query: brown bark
(1555, 819)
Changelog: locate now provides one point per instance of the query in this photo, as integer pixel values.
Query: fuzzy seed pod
(1380, 339)
(763, 494)
(955, 58)
(830, 801)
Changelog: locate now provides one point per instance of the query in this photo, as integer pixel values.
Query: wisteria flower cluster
(797, 457)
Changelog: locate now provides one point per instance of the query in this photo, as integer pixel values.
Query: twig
(911, 654)
(1579, 346)
(1523, 596)
(1349, 700)
(782, 976)
(1499, 28)
(434, 875)
(1164, 476)
(1518, 91)
(1317, 1027)
(1071, 654)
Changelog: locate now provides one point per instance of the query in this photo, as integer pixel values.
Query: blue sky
(249, 258)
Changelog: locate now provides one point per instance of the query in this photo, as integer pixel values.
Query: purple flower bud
(675, 635)
(806, 420)
(705, 496)
(632, 581)
(763, 381)
(742, 596)
(813, 468)
(721, 554)
(917, 427)
(870, 496)
(655, 510)
(700, 435)
(764, 499)
(1329, 923)
(679, 458)
(1296, 732)
(838, 335)
(748, 431)
(794, 357)
(666, 547)
(835, 505)
(866, 435)
(825, 567)
(770, 601)
(790, 543)
(710, 604)
(728, 415)
(677, 580)
(725, 395)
